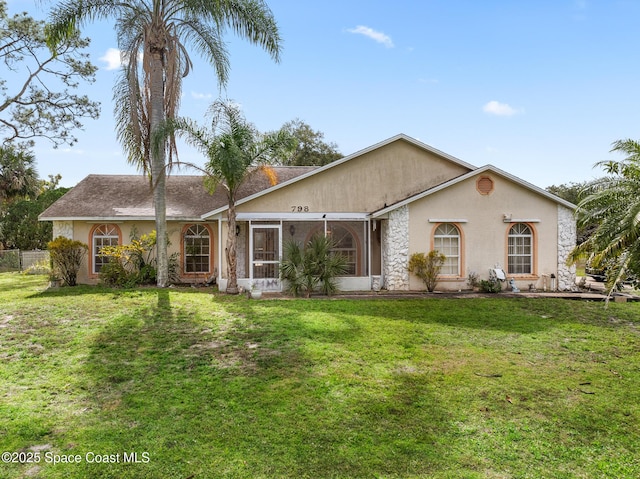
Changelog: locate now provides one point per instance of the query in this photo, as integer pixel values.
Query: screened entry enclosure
(264, 242)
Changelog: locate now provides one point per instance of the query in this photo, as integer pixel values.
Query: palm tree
(160, 30)
(234, 151)
(614, 207)
(18, 175)
(312, 266)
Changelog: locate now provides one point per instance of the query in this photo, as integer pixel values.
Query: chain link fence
(15, 260)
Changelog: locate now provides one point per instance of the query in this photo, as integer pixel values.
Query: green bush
(130, 264)
(66, 258)
(312, 268)
(490, 286)
(114, 274)
(134, 264)
(427, 267)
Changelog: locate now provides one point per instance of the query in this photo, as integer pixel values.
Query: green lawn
(206, 386)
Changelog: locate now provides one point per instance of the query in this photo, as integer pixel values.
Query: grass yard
(195, 385)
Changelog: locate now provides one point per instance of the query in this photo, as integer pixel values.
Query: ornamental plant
(66, 257)
(427, 267)
(314, 267)
(130, 264)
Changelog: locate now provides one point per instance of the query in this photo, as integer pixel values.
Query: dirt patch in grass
(218, 386)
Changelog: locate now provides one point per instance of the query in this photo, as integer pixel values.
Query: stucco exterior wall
(81, 231)
(484, 230)
(363, 184)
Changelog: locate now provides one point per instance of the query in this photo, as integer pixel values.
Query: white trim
(118, 219)
(471, 174)
(457, 237)
(300, 216)
(367, 232)
(523, 220)
(333, 164)
(253, 261)
(446, 220)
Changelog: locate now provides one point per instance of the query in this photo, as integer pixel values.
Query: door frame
(265, 284)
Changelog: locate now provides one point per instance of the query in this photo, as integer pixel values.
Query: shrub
(66, 258)
(130, 264)
(427, 267)
(312, 268)
(114, 274)
(134, 264)
(490, 286)
(472, 279)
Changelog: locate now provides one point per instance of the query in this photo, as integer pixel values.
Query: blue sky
(539, 88)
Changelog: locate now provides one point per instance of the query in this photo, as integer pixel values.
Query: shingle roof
(130, 196)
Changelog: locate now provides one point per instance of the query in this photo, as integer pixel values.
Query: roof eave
(471, 174)
(336, 163)
(116, 219)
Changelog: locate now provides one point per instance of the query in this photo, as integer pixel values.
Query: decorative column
(567, 235)
(395, 249)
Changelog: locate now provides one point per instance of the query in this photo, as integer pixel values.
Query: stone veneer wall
(63, 228)
(567, 235)
(395, 253)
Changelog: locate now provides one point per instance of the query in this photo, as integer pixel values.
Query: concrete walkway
(593, 291)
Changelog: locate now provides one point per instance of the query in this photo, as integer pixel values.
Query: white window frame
(519, 235)
(111, 234)
(447, 235)
(202, 232)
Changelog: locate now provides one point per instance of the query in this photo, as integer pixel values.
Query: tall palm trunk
(232, 245)
(158, 170)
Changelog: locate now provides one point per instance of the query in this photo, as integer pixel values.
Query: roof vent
(484, 185)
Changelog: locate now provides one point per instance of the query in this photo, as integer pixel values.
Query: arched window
(520, 249)
(103, 235)
(346, 245)
(446, 240)
(197, 249)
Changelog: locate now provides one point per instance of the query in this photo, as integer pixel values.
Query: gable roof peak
(408, 139)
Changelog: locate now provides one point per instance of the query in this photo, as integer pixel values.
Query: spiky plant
(316, 267)
(615, 208)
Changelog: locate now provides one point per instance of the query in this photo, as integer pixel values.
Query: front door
(266, 251)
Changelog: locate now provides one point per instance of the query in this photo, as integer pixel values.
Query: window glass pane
(103, 235)
(196, 249)
(446, 240)
(345, 244)
(350, 236)
(520, 249)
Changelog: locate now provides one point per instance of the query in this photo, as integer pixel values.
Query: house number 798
(299, 209)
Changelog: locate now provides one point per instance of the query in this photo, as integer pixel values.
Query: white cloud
(112, 58)
(373, 34)
(201, 96)
(500, 109)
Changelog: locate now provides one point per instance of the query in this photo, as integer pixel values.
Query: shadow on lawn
(503, 314)
(241, 397)
(15, 281)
